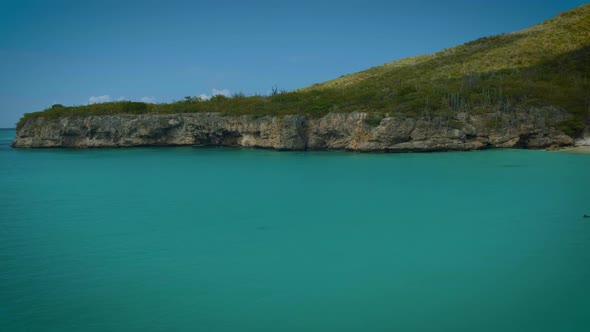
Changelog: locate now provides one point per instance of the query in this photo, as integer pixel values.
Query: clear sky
(76, 52)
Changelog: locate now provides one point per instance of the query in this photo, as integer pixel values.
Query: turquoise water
(185, 239)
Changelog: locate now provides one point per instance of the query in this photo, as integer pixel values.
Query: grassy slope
(547, 64)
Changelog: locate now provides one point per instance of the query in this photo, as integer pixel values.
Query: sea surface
(220, 239)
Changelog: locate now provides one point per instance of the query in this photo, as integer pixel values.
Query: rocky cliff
(533, 128)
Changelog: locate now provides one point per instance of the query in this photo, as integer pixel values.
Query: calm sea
(187, 239)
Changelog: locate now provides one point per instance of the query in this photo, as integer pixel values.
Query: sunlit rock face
(355, 131)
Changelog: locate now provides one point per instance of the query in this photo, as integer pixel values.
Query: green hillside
(546, 64)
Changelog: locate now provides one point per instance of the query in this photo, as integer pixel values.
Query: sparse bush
(573, 127)
(373, 119)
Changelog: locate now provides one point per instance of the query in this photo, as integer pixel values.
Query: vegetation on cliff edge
(545, 65)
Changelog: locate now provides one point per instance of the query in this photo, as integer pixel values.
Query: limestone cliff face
(336, 131)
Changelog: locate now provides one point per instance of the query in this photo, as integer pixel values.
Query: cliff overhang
(356, 131)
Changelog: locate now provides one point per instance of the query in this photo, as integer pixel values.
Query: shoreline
(578, 149)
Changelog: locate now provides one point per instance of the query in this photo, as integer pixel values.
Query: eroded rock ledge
(336, 131)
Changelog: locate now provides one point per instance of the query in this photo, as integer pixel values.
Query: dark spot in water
(511, 166)
(262, 228)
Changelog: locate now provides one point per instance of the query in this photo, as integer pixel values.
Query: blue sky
(76, 52)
